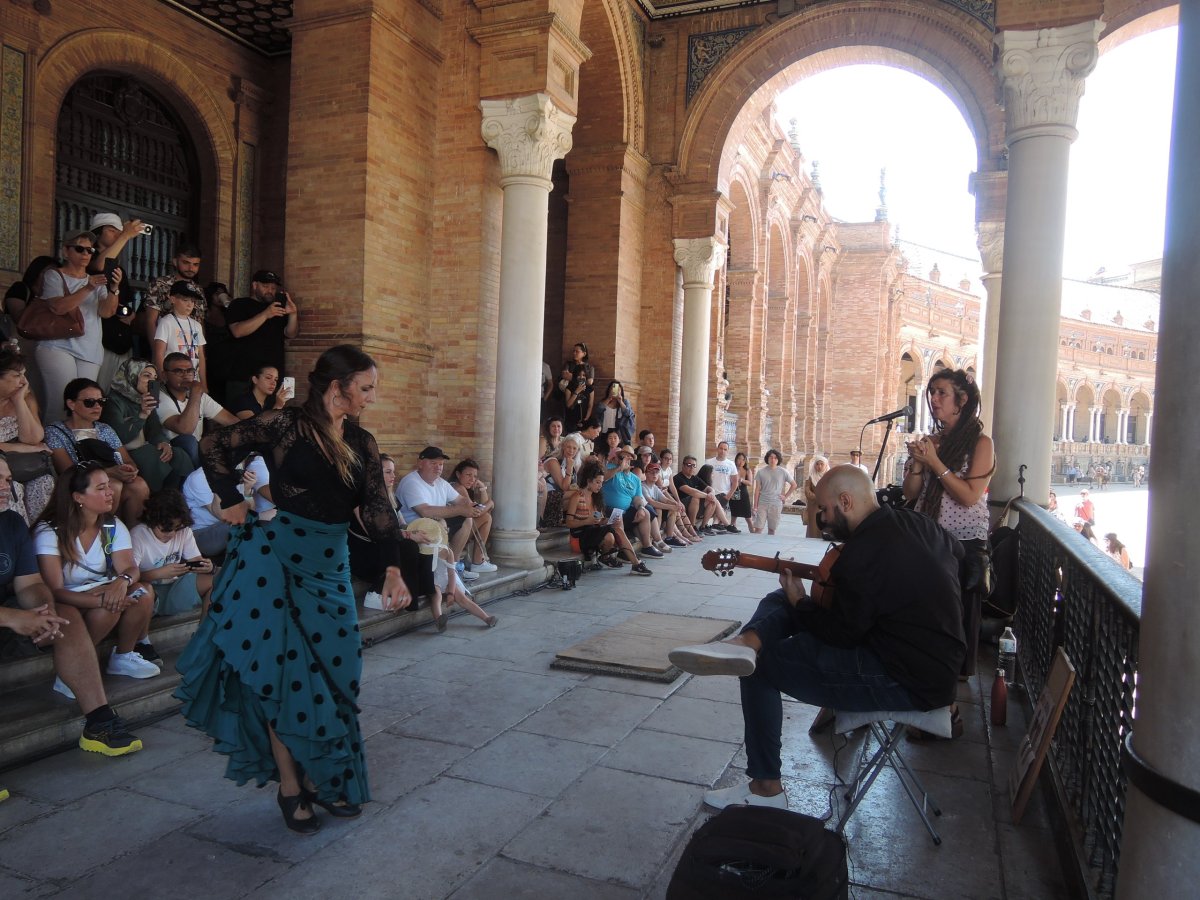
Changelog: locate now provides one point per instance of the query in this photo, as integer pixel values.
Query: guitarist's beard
(838, 529)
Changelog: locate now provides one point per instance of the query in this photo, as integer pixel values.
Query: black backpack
(759, 852)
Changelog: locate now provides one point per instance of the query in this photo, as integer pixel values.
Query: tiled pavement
(495, 776)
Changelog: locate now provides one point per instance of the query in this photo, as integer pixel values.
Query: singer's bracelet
(943, 475)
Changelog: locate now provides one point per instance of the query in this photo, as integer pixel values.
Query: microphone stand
(882, 449)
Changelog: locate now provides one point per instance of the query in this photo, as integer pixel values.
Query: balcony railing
(1073, 596)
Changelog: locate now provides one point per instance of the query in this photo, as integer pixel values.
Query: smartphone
(154, 387)
(280, 296)
(195, 564)
(288, 383)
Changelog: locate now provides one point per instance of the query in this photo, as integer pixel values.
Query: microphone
(898, 414)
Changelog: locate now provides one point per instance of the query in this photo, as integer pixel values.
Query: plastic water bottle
(1008, 655)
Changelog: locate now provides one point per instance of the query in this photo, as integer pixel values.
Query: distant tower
(881, 213)
(794, 136)
(816, 177)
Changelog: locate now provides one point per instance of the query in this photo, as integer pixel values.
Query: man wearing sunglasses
(184, 406)
(698, 497)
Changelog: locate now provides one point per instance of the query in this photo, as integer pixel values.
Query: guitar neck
(775, 565)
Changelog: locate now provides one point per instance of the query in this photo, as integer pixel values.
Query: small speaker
(569, 571)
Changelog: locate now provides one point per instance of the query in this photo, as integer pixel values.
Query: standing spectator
(265, 393)
(465, 480)
(166, 553)
(66, 288)
(817, 466)
(178, 331)
(184, 406)
(1052, 508)
(740, 506)
(772, 486)
(424, 494)
(1116, 551)
(81, 437)
(547, 389)
(86, 559)
(21, 432)
(577, 385)
(219, 348)
(16, 298)
(725, 480)
(1085, 509)
(111, 237)
(615, 413)
(158, 302)
(856, 461)
(260, 325)
(132, 412)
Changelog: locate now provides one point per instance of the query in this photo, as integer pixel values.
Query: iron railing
(1073, 596)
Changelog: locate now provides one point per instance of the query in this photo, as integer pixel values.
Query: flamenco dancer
(272, 672)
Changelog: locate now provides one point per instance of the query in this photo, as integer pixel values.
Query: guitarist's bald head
(849, 489)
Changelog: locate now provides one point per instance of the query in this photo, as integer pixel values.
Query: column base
(515, 548)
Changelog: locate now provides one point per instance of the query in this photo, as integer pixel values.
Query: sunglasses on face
(92, 402)
(79, 248)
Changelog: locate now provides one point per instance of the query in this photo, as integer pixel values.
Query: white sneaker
(715, 659)
(663, 547)
(740, 795)
(484, 568)
(61, 687)
(468, 575)
(132, 665)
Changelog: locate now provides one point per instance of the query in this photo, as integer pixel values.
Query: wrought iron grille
(1073, 595)
(121, 149)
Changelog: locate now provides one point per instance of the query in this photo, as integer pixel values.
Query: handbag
(29, 466)
(91, 450)
(39, 321)
(116, 335)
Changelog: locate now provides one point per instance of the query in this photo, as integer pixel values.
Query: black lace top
(302, 480)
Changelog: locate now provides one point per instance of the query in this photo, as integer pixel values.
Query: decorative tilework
(705, 51)
(247, 166)
(12, 127)
(983, 10)
(262, 24)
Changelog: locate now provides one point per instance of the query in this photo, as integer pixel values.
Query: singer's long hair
(956, 444)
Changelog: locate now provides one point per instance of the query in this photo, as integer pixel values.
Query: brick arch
(1125, 19)
(943, 45)
(207, 124)
(615, 67)
(744, 217)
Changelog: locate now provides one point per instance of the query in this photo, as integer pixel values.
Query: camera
(147, 229)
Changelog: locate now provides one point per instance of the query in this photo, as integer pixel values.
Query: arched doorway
(121, 148)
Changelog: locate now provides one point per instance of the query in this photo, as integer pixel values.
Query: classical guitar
(723, 562)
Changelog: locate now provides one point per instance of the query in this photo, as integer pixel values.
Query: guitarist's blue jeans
(796, 663)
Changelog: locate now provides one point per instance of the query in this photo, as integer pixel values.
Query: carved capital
(1042, 74)
(990, 240)
(699, 258)
(529, 133)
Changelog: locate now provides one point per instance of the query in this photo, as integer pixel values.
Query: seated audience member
(17, 296)
(1116, 551)
(158, 296)
(67, 288)
(179, 331)
(561, 471)
(722, 473)
(772, 486)
(666, 481)
(614, 412)
(719, 521)
(696, 496)
(611, 450)
(184, 406)
(82, 437)
(368, 564)
(585, 438)
(165, 551)
(591, 533)
(893, 639)
(59, 626)
(623, 494)
(424, 494)
(86, 559)
(465, 480)
(209, 530)
(669, 508)
(447, 580)
(132, 412)
(21, 431)
(260, 326)
(646, 438)
(551, 437)
(264, 393)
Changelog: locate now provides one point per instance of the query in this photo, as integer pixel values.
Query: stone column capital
(699, 258)
(529, 133)
(1042, 75)
(989, 237)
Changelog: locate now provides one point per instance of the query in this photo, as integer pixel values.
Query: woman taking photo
(85, 556)
(277, 661)
(615, 413)
(264, 393)
(82, 437)
(947, 475)
(576, 384)
(67, 288)
(132, 412)
(21, 432)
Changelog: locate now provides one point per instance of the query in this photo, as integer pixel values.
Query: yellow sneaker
(109, 738)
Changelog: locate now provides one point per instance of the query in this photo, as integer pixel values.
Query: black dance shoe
(338, 811)
(289, 807)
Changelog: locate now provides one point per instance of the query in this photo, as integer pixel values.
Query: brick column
(1042, 73)
(529, 133)
(699, 258)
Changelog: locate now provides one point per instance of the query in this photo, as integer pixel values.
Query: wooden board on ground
(1036, 743)
(638, 647)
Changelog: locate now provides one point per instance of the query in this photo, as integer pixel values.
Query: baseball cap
(99, 220)
(432, 453)
(644, 449)
(266, 276)
(184, 289)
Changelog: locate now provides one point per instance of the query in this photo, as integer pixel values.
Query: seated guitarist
(891, 640)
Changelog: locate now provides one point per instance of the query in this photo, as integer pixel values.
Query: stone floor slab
(594, 717)
(532, 763)
(678, 757)
(504, 878)
(709, 719)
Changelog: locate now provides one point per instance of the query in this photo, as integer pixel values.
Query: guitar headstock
(720, 562)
